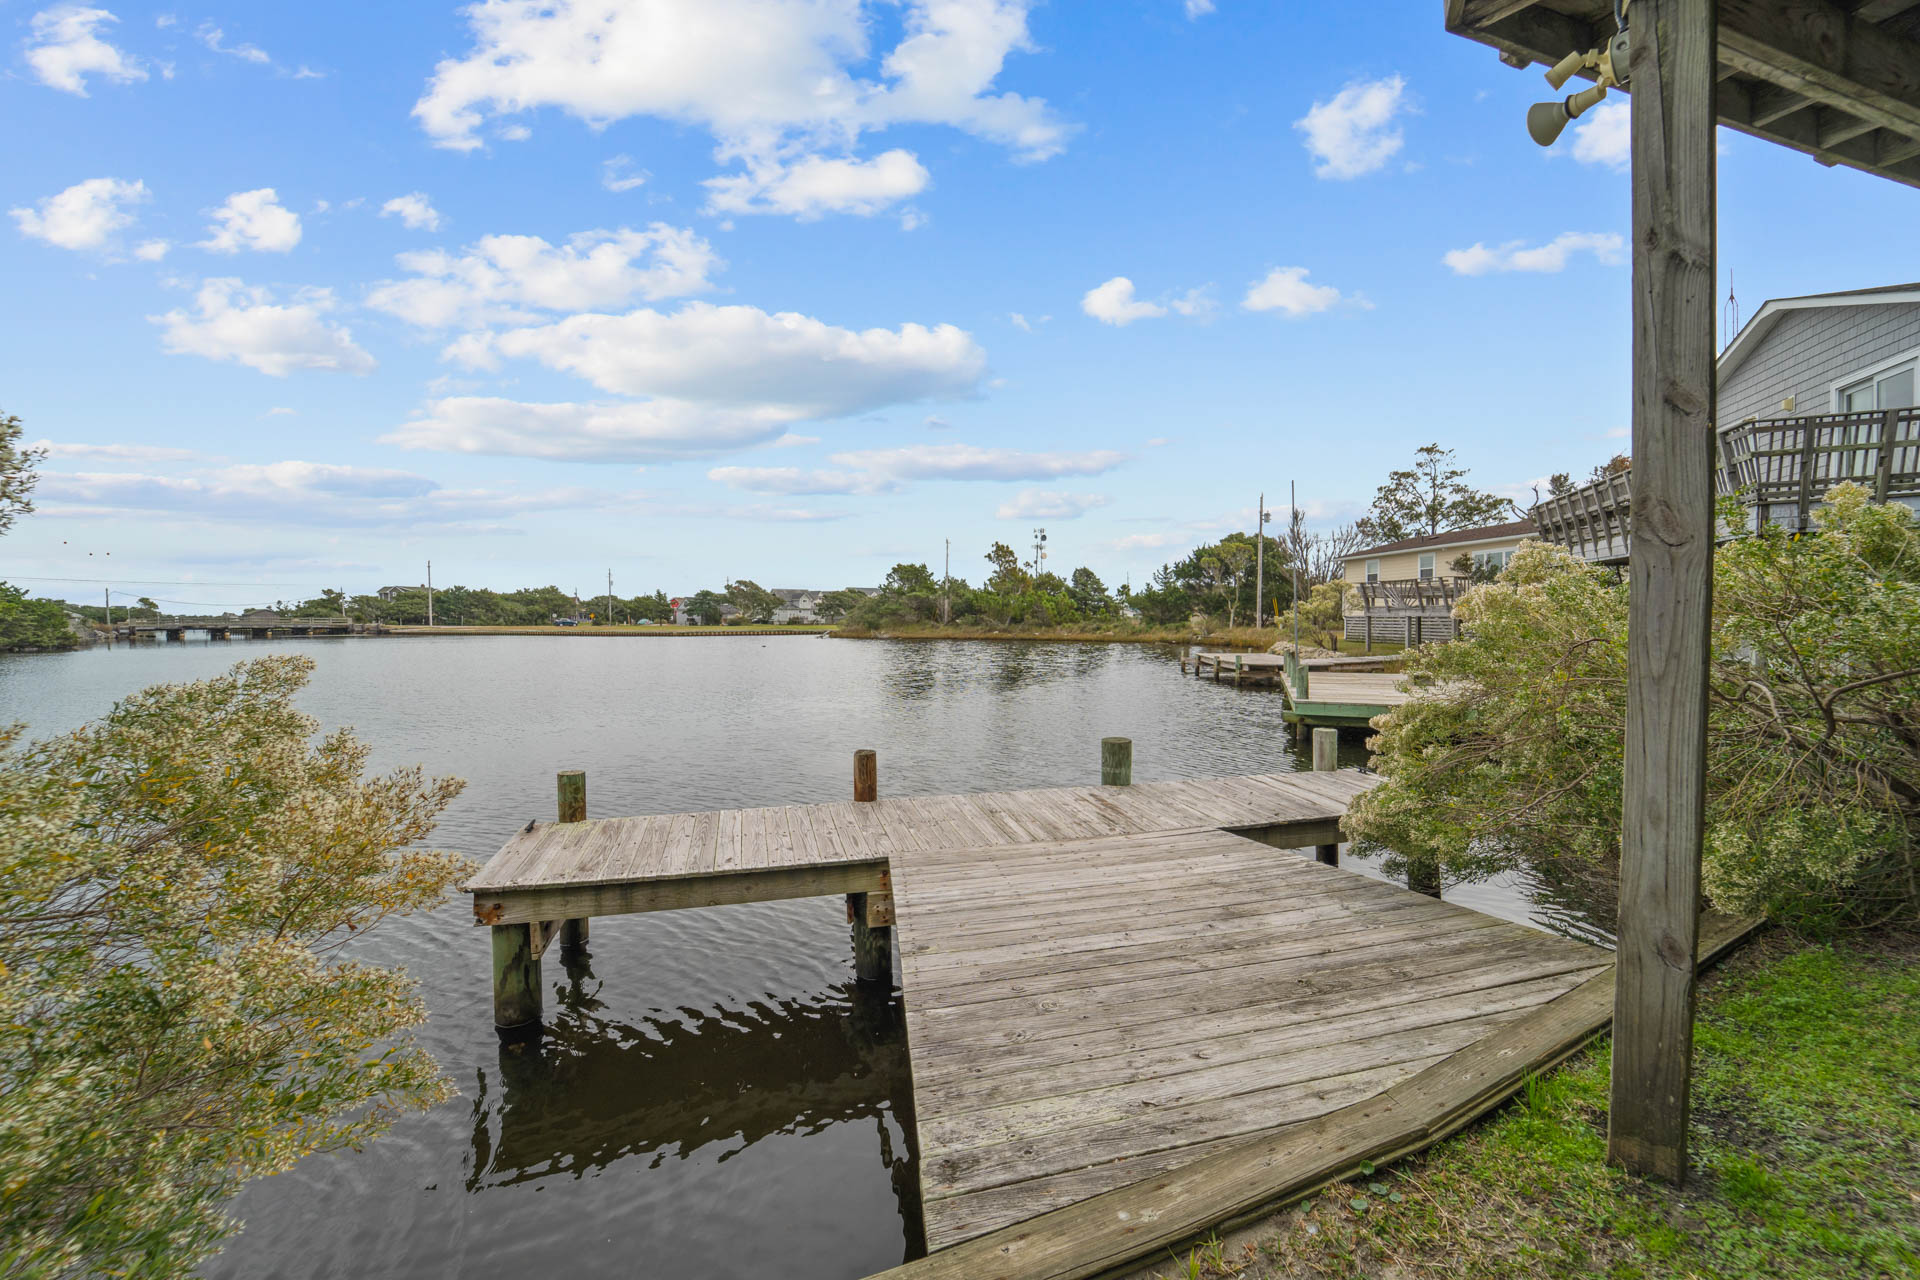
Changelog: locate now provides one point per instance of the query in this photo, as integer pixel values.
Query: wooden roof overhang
(1836, 79)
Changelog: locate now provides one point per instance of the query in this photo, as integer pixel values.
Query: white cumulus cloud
(642, 431)
(779, 86)
(414, 210)
(1353, 133)
(1050, 504)
(973, 462)
(1113, 303)
(743, 356)
(1286, 289)
(813, 186)
(215, 39)
(65, 48)
(615, 174)
(802, 480)
(1604, 136)
(1515, 255)
(231, 321)
(85, 215)
(252, 220)
(512, 279)
(1198, 9)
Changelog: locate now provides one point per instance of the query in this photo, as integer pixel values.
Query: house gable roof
(1457, 537)
(1748, 340)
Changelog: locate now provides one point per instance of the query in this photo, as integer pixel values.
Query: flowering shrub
(179, 884)
(1512, 750)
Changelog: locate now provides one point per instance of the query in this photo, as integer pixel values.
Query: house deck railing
(1435, 596)
(1779, 468)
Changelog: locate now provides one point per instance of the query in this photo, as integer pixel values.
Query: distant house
(393, 593)
(1812, 391)
(1405, 591)
(797, 605)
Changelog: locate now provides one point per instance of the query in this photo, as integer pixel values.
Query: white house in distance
(1405, 591)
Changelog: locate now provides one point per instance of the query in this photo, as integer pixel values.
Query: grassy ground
(1806, 1155)
(1247, 639)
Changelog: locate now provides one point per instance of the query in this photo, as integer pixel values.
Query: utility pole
(946, 587)
(609, 597)
(429, 593)
(1039, 550)
(106, 597)
(1260, 567)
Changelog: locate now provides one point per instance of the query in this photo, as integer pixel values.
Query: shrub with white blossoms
(177, 884)
(1512, 750)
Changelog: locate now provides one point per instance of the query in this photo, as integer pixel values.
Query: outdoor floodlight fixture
(1545, 120)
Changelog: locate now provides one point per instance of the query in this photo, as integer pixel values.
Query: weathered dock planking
(1240, 1179)
(1085, 1014)
(612, 866)
(1110, 991)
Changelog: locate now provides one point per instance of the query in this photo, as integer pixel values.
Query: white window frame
(1429, 566)
(1370, 571)
(1874, 373)
(1482, 558)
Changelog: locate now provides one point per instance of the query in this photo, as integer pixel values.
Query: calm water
(715, 1097)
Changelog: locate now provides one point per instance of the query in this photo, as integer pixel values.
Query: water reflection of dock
(1124, 1016)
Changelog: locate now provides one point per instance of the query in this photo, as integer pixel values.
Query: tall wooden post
(871, 920)
(1116, 762)
(571, 788)
(1674, 47)
(516, 978)
(1326, 758)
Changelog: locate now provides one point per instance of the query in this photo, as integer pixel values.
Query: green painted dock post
(1116, 762)
(571, 788)
(1326, 758)
(872, 940)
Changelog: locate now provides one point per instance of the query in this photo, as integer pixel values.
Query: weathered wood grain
(1671, 590)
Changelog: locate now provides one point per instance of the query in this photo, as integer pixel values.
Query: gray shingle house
(1812, 391)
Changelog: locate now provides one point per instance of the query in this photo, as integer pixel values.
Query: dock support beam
(571, 790)
(1116, 762)
(872, 921)
(1671, 589)
(1326, 758)
(516, 978)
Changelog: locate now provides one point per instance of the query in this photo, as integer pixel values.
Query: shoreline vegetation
(1806, 1153)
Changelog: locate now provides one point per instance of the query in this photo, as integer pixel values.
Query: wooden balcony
(1434, 597)
(1779, 468)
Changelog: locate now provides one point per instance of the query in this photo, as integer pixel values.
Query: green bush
(1511, 752)
(181, 884)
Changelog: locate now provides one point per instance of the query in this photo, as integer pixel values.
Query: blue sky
(304, 296)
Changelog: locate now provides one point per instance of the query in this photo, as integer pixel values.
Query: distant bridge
(252, 626)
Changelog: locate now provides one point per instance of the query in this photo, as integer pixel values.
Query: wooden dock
(1319, 692)
(1105, 987)
(1082, 1015)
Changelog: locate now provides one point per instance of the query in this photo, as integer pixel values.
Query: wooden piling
(516, 978)
(1116, 762)
(1368, 622)
(571, 789)
(1674, 274)
(871, 921)
(1326, 758)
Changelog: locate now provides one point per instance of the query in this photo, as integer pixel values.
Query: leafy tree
(1089, 593)
(32, 624)
(17, 475)
(1429, 497)
(755, 603)
(835, 605)
(1009, 576)
(708, 608)
(182, 882)
(1813, 810)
